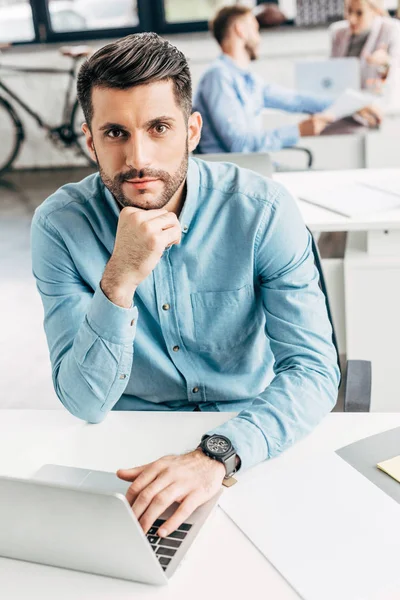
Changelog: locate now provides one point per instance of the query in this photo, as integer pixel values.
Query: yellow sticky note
(391, 467)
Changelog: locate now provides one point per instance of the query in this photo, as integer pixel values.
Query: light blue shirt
(231, 101)
(232, 319)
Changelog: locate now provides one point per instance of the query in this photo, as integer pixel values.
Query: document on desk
(391, 467)
(326, 528)
(348, 103)
(353, 200)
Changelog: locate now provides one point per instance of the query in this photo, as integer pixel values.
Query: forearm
(92, 375)
(290, 407)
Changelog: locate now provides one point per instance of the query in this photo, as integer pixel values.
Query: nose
(353, 20)
(137, 152)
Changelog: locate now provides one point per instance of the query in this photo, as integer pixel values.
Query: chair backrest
(322, 283)
(260, 162)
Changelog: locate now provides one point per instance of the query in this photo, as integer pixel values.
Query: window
(16, 21)
(86, 15)
(183, 11)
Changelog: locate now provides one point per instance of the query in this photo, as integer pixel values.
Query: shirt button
(185, 229)
(122, 376)
(175, 348)
(195, 390)
(133, 322)
(166, 306)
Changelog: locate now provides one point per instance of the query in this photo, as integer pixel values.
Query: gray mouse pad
(365, 454)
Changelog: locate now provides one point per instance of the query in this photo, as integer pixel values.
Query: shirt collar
(234, 66)
(246, 74)
(190, 204)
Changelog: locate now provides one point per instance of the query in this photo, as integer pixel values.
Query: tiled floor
(25, 375)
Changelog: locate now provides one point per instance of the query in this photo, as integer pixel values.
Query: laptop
(80, 519)
(329, 77)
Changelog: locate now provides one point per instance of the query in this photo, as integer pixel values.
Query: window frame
(167, 27)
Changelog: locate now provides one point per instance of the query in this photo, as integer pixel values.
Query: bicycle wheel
(77, 119)
(11, 135)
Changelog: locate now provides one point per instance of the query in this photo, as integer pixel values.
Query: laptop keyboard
(165, 548)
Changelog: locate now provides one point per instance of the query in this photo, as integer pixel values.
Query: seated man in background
(231, 99)
(172, 284)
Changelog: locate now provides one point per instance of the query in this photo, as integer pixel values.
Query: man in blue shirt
(171, 284)
(231, 99)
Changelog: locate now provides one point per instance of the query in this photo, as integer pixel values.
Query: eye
(161, 128)
(115, 133)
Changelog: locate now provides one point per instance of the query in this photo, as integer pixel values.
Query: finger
(141, 214)
(170, 236)
(130, 474)
(159, 505)
(161, 221)
(146, 496)
(146, 477)
(188, 506)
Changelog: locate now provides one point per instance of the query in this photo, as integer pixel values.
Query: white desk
(122, 439)
(365, 149)
(320, 219)
(364, 288)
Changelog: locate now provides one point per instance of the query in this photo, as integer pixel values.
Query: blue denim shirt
(231, 101)
(232, 319)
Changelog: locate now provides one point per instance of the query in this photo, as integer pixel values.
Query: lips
(140, 183)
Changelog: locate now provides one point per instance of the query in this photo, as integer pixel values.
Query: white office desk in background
(373, 148)
(364, 289)
(222, 561)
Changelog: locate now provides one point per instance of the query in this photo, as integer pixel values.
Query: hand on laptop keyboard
(190, 479)
(165, 548)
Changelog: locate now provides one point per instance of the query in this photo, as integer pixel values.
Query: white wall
(279, 50)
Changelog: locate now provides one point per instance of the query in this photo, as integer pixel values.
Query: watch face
(218, 445)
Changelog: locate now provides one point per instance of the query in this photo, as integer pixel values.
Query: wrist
(118, 289)
(218, 466)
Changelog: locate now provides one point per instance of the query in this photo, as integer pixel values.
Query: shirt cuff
(247, 439)
(111, 322)
(289, 135)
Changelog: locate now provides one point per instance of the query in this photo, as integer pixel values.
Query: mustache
(142, 174)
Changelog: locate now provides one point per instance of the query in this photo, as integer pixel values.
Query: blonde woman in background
(371, 35)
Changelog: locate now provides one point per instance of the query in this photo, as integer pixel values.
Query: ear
(195, 124)
(89, 141)
(239, 28)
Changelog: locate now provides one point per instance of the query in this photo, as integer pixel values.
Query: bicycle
(67, 134)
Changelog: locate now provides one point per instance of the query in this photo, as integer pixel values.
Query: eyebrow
(150, 123)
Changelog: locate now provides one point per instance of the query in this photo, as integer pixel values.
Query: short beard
(171, 183)
(252, 53)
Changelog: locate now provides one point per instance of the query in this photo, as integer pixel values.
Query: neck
(237, 53)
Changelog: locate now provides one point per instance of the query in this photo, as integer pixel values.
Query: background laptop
(80, 519)
(329, 77)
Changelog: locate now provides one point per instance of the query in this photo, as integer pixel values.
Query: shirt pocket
(222, 320)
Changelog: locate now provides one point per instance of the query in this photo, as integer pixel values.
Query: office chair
(357, 378)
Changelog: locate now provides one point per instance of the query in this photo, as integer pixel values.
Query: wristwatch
(220, 448)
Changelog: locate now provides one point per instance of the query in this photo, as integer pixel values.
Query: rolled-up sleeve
(90, 339)
(306, 375)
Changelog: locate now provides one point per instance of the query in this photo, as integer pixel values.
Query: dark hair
(224, 18)
(136, 59)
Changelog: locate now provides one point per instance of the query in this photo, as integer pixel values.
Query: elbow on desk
(84, 409)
